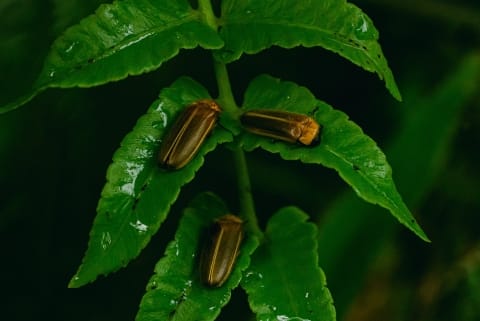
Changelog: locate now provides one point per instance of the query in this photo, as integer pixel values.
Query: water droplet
(132, 170)
(70, 48)
(286, 318)
(139, 226)
(106, 240)
(152, 285)
(177, 249)
(127, 189)
(127, 30)
(135, 40)
(364, 29)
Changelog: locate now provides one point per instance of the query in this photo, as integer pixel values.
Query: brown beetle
(187, 134)
(282, 125)
(221, 250)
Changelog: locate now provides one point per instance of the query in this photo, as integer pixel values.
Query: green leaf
(284, 281)
(138, 195)
(175, 291)
(124, 38)
(343, 147)
(427, 132)
(252, 26)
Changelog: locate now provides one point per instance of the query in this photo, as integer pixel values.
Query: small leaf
(343, 146)
(124, 38)
(252, 26)
(284, 281)
(175, 291)
(138, 194)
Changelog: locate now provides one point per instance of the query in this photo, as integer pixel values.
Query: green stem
(205, 7)
(225, 95)
(227, 101)
(247, 206)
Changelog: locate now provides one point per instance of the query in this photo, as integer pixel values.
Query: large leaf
(249, 26)
(175, 291)
(284, 281)
(138, 194)
(343, 147)
(124, 38)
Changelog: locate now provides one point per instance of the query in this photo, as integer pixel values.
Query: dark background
(54, 153)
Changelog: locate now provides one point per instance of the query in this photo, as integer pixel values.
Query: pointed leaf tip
(336, 25)
(137, 196)
(343, 145)
(128, 37)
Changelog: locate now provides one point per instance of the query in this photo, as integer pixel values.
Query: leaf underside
(284, 281)
(249, 26)
(175, 291)
(138, 195)
(343, 145)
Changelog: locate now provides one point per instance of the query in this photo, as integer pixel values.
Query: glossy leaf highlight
(343, 145)
(138, 194)
(249, 26)
(284, 281)
(175, 291)
(124, 38)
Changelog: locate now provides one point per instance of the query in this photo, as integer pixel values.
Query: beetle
(187, 133)
(221, 250)
(283, 125)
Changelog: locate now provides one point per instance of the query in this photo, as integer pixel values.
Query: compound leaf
(138, 195)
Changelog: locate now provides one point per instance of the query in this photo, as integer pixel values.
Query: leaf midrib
(328, 33)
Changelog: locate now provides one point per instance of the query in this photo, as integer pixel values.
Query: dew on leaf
(364, 29)
(139, 226)
(70, 48)
(106, 240)
(135, 40)
(287, 318)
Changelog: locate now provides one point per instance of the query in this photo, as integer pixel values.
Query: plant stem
(225, 94)
(245, 192)
(205, 7)
(227, 100)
